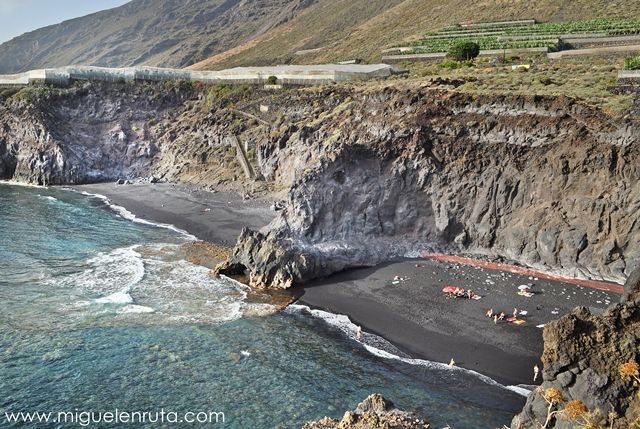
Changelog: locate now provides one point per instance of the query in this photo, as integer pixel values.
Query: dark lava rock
(372, 413)
(544, 181)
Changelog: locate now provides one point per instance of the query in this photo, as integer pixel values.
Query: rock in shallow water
(372, 413)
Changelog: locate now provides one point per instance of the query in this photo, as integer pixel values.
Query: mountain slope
(364, 36)
(215, 34)
(171, 33)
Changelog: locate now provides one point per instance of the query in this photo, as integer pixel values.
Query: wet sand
(416, 316)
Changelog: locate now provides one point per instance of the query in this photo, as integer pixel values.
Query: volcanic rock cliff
(96, 132)
(83, 134)
(370, 173)
(547, 182)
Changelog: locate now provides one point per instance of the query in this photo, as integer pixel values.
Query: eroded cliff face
(547, 182)
(96, 132)
(369, 172)
(582, 359)
(84, 134)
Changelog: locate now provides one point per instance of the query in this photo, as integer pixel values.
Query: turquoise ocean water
(99, 313)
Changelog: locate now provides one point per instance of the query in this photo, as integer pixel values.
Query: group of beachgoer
(458, 292)
(502, 316)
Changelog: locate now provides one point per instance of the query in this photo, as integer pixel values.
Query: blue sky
(20, 16)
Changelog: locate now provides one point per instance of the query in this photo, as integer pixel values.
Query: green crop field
(524, 35)
(485, 43)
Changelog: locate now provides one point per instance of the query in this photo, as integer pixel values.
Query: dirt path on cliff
(415, 315)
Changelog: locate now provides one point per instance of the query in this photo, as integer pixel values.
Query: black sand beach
(415, 315)
(412, 314)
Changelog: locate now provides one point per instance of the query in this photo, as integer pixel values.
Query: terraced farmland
(517, 35)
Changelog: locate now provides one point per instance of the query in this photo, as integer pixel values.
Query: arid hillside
(170, 33)
(331, 30)
(215, 34)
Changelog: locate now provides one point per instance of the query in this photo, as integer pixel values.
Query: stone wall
(629, 78)
(595, 42)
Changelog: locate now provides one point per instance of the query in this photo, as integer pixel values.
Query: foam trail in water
(344, 324)
(48, 197)
(145, 279)
(112, 274)
(126, 214)
(135, 309)
(133, 268)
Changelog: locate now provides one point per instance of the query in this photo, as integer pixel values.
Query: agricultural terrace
(525, 34)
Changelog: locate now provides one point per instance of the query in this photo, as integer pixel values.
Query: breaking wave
(126, 214)
(150, 281)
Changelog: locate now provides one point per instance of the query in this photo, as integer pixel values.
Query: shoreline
(217, 218)
(412, 314)
(379, 346)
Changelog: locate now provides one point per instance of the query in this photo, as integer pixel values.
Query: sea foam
(136, 309)
(116, 298)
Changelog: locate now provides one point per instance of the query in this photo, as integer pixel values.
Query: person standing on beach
(536, 371)
(359, 333)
